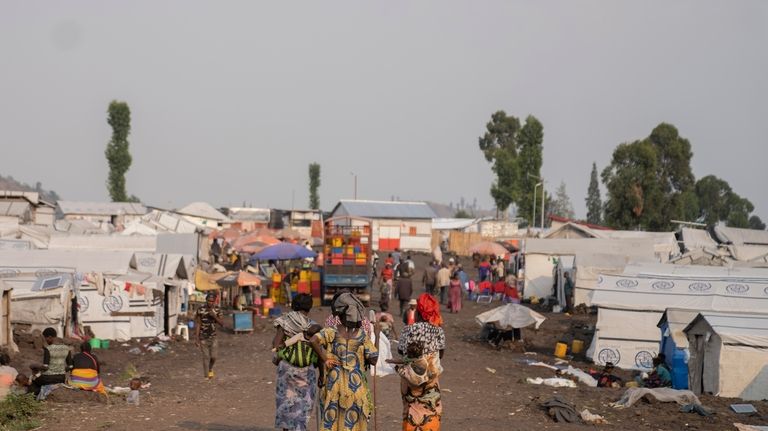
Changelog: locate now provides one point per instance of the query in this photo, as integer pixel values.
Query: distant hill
(10, 183)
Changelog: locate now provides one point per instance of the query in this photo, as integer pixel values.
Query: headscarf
(429, 309)
(293, 323)
(349, 306)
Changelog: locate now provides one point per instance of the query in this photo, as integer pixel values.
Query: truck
(347, 257)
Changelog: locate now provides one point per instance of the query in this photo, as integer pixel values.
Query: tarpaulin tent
(631, 304)
(541, 256)
(283, 251)
(510, 316)
(729, 355)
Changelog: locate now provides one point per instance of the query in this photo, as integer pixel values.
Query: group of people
(446, 281)
(335, 358)
(59, 366)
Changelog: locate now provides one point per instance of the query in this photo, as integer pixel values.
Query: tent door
(696, 365)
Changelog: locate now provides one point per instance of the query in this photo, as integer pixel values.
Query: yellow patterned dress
(346, 401)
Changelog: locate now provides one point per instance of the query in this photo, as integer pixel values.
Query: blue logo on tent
(609, 355)
(626, 283)
(644, 359)
(699, 287)
(662, 285)
(737, 288)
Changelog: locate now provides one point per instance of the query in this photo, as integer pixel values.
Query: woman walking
(423, 345)
(295, 384)
(454, 294)
(346, 352)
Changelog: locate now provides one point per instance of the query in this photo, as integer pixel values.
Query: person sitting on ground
(386, 322)
(57, 359)
(85, 371)
(8, 375)
(660, 377)
(21, 384)
(605, 378)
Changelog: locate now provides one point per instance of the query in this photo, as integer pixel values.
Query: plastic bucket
(191, 324)
(561, 349)
(105, 344)
(577, 346)
(95, 343)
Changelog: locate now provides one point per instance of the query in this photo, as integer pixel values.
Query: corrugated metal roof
(386, 209)
(202, 210)
(102, 208)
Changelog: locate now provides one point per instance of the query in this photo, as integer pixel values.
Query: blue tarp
(282, 251)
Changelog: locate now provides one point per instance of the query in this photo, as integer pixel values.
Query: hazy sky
(232, 100)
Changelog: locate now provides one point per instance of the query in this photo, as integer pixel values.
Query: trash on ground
(743, 408)
(695, 408)
(490, 370)
(560, 410)
(592, 418)
(582, 376)
(555, 382)
(664, 395)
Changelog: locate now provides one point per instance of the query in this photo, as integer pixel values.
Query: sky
(231, 101)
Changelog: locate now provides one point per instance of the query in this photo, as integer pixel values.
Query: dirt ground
(483, 388)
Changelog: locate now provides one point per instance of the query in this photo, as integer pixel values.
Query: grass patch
(17, 413)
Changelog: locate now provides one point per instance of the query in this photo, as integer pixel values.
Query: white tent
(589, 266)
(541, 256)
(729, 355)
(631, 304)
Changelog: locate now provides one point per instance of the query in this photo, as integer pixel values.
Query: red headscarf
(429, 309)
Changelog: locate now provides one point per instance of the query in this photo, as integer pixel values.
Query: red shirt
(387, 274)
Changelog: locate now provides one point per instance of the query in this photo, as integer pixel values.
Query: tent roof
(656, 287)
(739, 329)
(696, 239)
(453, 223)
(103, 242)
(106, 261)
(738, 236)
(625, 247)
(101, 208)
(384, 209)
(202, 210)
(14, 208)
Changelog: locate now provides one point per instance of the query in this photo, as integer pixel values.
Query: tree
(314, 184)
(561, 204)
(719, 203)
(594, 204)
(515, 153)
(499, 145)
(529, 161)
(756, 223)
(117, 152)
(462, 213)
(650, 182)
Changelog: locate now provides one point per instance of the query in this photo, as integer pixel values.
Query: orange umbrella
(488, 248)
(251, 238)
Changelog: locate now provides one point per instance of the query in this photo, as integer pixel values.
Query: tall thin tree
(117, 152)
(594, 203)
(314, 185)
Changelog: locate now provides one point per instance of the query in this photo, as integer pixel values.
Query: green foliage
(515, 153)
(314, 184)
(117, 152)
(756, 223)
(594, 203)
(650, 182)
(17, 412)
(561, 204)
(462, 213)
(530, 161)
(719, 203)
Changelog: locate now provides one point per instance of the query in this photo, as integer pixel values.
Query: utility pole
(543, 193)
(533, 217)
(355, 176)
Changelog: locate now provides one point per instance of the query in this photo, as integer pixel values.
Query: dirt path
(242, 397)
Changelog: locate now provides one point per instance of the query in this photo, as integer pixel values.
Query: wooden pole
(372, 319)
